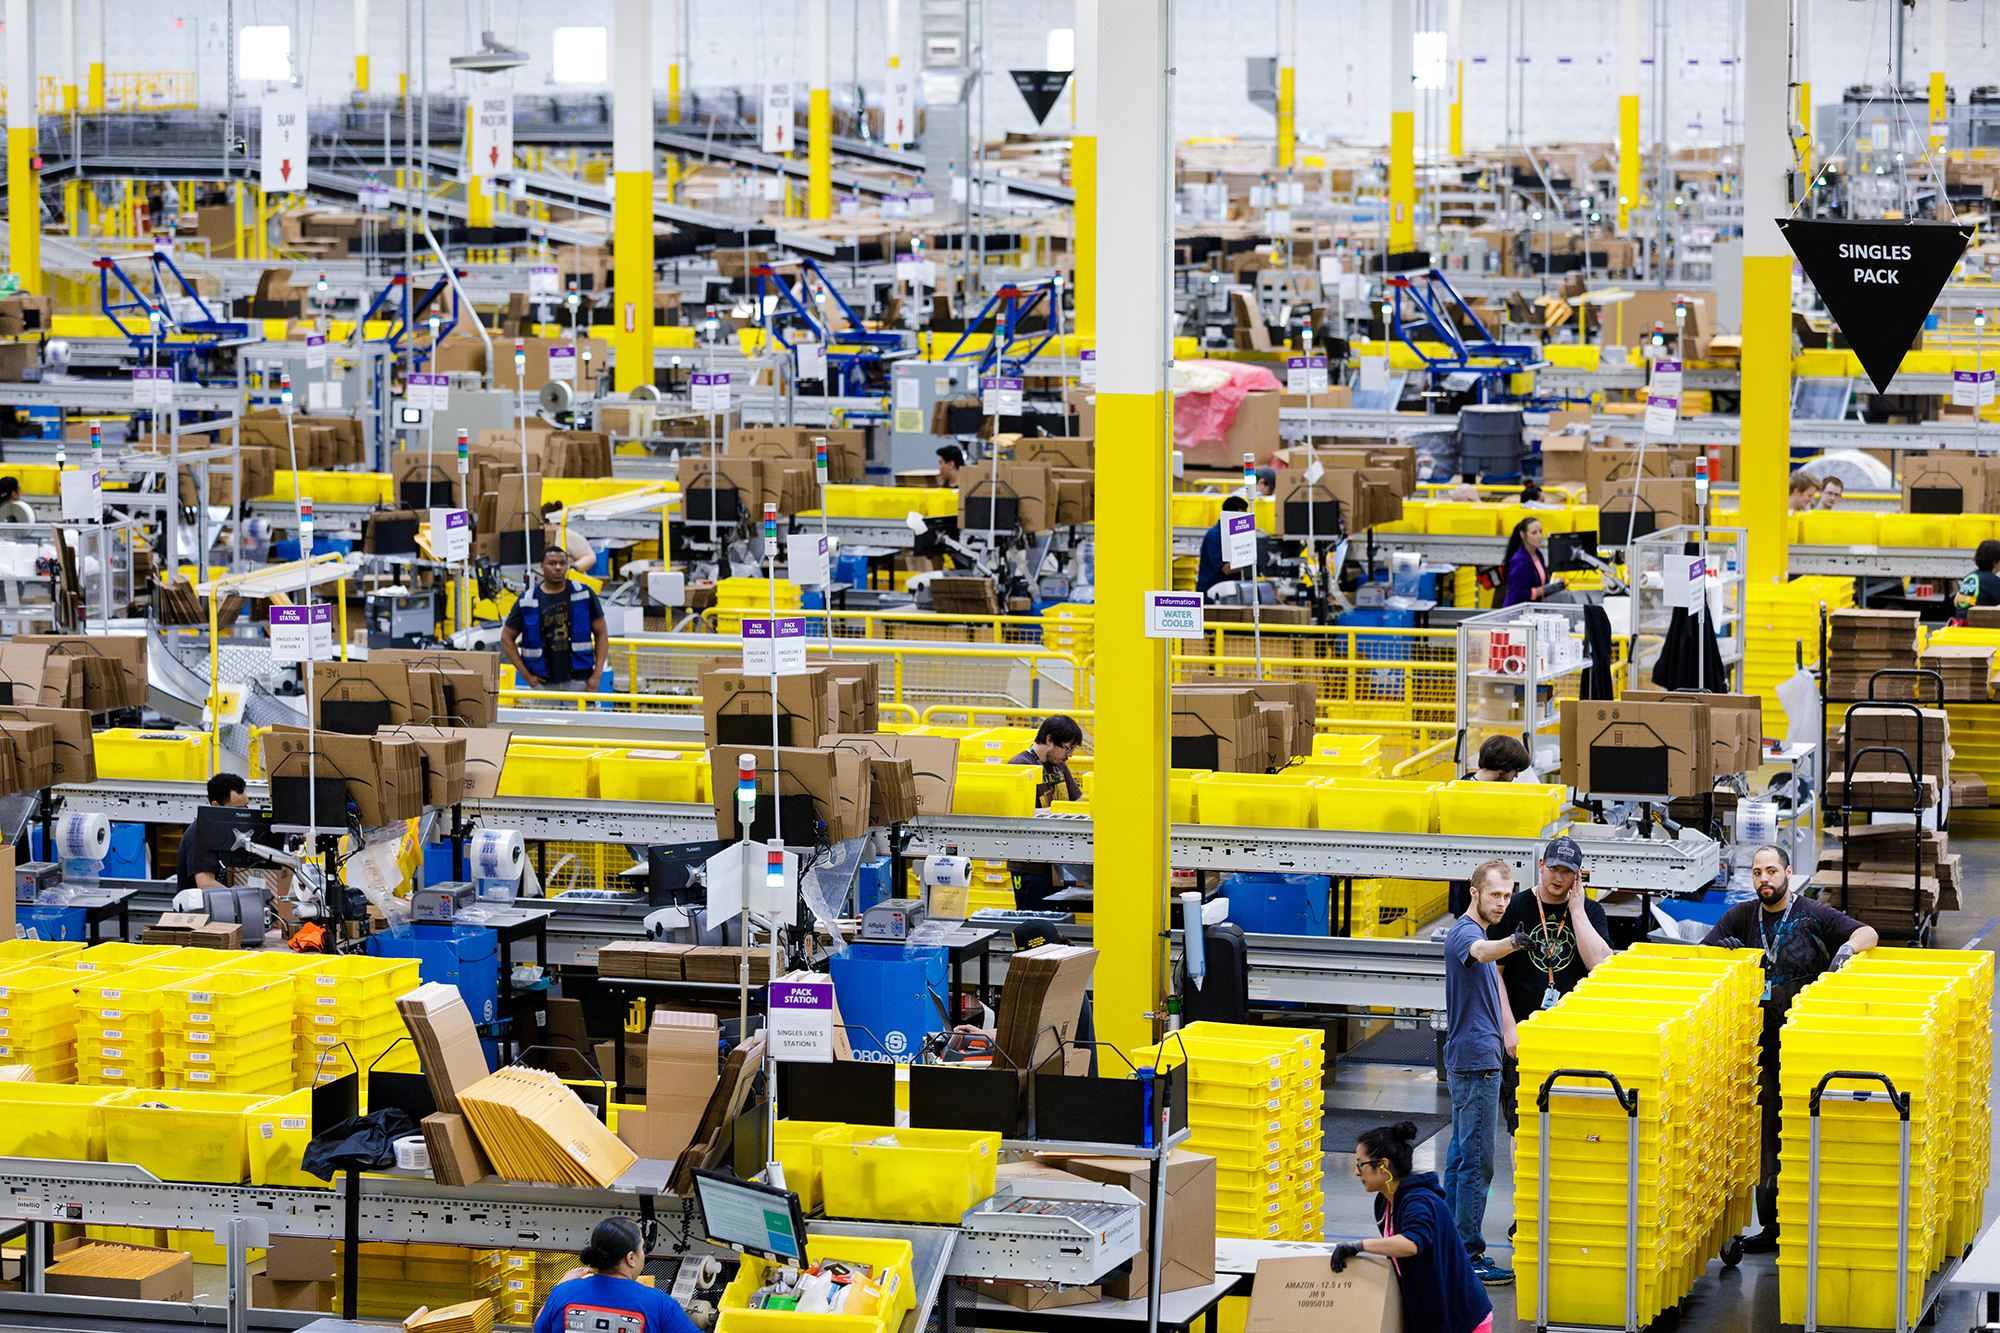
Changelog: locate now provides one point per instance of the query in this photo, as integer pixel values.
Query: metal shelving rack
(1524, 704)
(1726, 550)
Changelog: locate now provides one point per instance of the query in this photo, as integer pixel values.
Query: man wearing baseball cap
(1552, 936)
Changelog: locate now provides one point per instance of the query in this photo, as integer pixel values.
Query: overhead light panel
(492, 56)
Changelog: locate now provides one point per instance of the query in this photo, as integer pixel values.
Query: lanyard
(1774, 939)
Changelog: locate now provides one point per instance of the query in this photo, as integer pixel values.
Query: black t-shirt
(195, 857)
(1551, 958)
(556, 667)
(1798, 943)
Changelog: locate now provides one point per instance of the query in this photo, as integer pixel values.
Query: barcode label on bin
(326, 981)
(199, 1018)
(201, 1057)
(199, 1076)
(201, 1036)
(327, 999)
(114, 1034)
(109, 994)
(201, 997)
(114, 1073)
(113, 1052)
(86, 967)
(326, 1018)
(111, 1013)
(294, 1122)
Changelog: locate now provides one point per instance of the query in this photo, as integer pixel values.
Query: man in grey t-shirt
(1479, 1034)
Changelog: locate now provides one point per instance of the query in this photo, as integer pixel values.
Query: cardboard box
(744, 476)
(128, 652)
(1187, 1250)
(446, 1039)
(1565, 448)
(372, 687)
(1636, 749)
(1039, 1298)
(1217, 728)
(1735, 723)
(846, 450)
(809, 773)
(866, 679)
(1058, 451)
(122, 1272)
(267, 1293)
(299, 1259)
(892, 792)
(1030, 485)
(681, 1073)
(1305, 1295)
(1040, 1005)
(1947, 483)
(933, 763)
(737, 709)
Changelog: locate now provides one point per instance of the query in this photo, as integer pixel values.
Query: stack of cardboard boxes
(1040, 1006)
(1656, 744)
(792, 447)
(384, 774)
(1893, 872)
(745, 485)
(98, 674)
(1861, 642)
(1362, 486)
(682, 1066)
(1882, 778)
(1241, 727)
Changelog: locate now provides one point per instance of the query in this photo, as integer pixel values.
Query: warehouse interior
(561, 734)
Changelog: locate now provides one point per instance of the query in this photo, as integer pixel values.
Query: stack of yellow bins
(1254, 1105)
(1900, 1014)
(1680, 1032)
(227, 1032)
(118, 1028)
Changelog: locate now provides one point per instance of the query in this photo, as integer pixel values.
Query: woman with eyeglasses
(1419, 1238)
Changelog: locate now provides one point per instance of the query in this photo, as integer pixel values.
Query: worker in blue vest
(546, 635)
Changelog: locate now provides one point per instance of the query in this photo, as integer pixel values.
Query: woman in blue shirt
(611, 1299)
(1440, 1293)
(1527, 577)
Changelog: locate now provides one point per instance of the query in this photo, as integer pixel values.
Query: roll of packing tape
(412, 1153)
(497, 854)
(83, 837)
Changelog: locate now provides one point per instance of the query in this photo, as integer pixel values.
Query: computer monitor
(670, 871)
(419, 494)
(712, 505)
(1566, 550)
(218, 825)
(1005, 515)
(522, 547)
(758, 1219)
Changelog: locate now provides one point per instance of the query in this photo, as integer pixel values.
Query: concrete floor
(1743, 1300)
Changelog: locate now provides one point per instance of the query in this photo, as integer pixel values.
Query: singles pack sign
(1878, 279)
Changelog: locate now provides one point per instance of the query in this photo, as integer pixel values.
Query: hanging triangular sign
(1878, 279)
(1040, 88)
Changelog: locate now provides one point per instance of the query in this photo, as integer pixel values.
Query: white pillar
(1288, 60)
(676, 56)
(1083, 164)
(69, 71)
(1940, 44)
(1802, 108)
(24, 213)
(632, 189)
(1402, 125)
(819, 113)
(1454, 72)
(361, 46)
(892, 24)
(1767, 293)
(1628, 111)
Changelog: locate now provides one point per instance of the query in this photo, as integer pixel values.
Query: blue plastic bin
(1264, 904)
(890, 997)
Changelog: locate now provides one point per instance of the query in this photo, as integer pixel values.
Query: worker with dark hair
(1502, 758)
(1982, 586)
(1267, 482)
(1440, 1292)
(13, 509)
(1212, 570)
(198, 867)
(950, 459)
(610, 1297)
(1055, 741)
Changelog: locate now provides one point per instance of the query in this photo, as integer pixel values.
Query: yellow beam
(361, 74)
(1628, 159)
(1131, 722)
(1287, 143)
(1937, 104)
(1803, 145)
(1402, 181)
(819, 124)
(1765, 463)
(674, 94)
(24, 218)
(632, 276)
(94, 93)
(1457, 131)
(1083, 178)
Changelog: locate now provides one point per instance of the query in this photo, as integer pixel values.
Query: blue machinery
(404, 318)
(1434, 297)
(849, 358)
(159, 319)
(1009, 308)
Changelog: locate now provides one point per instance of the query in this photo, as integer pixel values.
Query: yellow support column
(1940, 42)
(1129, 842)
(1455, 71)
(73, 209)
(1288, 20)
(819, 115)
(69, 89)
(24, 189)
(674, 55)
(1765, 459)
(632, 192)
(361, 46)
(1402, 126)
(1628, 111)
(1083, 168)
(94, 90)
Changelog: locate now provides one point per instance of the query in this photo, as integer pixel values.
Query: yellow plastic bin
(549, 770)
(226, 1002)
(995, 789)
(48, 1120)
(126, 754)
(117, 954)
(194, 1136)
(889, 1260)
(1380, 805)
(279, 1131)
(798, 1145)
(654, 775)
(926, 1175)
(1498, 809)
(1256, 800)
(19, 953)
(1839, 527)
(1932, 531)
(355, 983)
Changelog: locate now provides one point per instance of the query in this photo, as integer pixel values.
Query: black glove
(1519, 939)
(1730, 942)
(1344, 1251)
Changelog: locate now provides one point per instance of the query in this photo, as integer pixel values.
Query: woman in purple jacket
(1527, 577)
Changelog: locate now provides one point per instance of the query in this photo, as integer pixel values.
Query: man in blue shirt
(1212, 570)
(556, 637)
(1479, 1034)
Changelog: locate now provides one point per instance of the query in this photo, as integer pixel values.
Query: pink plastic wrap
(1204, 418)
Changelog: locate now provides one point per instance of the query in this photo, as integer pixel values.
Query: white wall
(1570, 92)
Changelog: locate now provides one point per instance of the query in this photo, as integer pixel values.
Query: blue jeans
(1468, 1161)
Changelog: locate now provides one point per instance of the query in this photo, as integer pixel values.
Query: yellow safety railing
(142, 90)
(926, 625)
